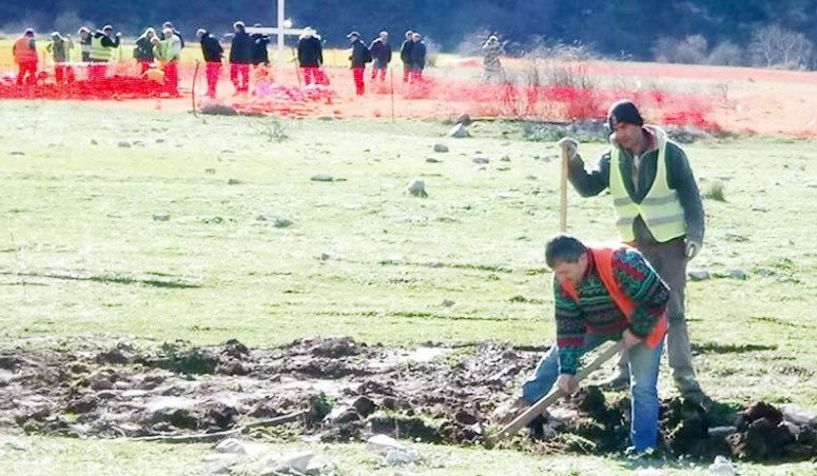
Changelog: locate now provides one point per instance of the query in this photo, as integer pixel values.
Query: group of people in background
(157, 54)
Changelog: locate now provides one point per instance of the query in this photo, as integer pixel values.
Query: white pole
(281, 35)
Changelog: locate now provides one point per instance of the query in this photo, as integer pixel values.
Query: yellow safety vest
(99, 52)
(661, 209)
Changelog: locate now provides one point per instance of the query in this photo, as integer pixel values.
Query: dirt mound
(346, 390)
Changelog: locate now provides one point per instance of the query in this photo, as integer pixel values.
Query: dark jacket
(175, 32)
(211, 49)
(143, 52)
(241, 50)
(360, 55)
(405, 51)
(310, 52)
(106, 40)
(418, 55)
(260, 55)
(679, 177)
(380, 51)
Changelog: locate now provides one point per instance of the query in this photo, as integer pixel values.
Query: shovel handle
(537, 408)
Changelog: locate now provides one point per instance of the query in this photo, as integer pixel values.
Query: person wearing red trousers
(359, 57)
(25, 55)
(241, 52)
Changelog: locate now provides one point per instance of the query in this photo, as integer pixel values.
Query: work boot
(618, 382)
(691, 390)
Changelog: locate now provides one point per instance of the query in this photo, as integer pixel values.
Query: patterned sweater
(596, 313)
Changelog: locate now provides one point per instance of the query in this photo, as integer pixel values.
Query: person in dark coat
(213, 53)
(405, 55)
(310, 56)
(418, 57)
(143, 52)
(241, 52)
(381, 55)
(359, 57)
(260, 41)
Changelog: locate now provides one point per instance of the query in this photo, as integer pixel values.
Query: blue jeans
(644, 364)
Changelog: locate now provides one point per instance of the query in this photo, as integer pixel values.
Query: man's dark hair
(563, 249)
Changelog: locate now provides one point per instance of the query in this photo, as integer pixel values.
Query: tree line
(716, 31)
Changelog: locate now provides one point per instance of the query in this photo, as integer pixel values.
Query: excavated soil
(347, 391)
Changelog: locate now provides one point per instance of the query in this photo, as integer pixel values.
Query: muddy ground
(347, 391)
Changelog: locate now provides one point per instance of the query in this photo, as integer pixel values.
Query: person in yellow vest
(658, 211)
(103, 42)
(167, 53)
(25, 55)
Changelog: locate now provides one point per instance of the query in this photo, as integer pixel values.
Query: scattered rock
(84, 404)
(448, 303)
(233, 181)
(417, 188)
(811, 185)
(758, 207)
(401, 457)
(722, 467)
(432, 160)
(161, 216)
(459, 131)
(364, 406)
(94, 142)
(382, 444)
(440, 148)
(464, 119)
(699, 275)
(737, 274)
(322, 178)
(210, 171)
(124, 144)
(481, 160)
(231, 446)
(505, 158)
(277, 222)
(18, 153)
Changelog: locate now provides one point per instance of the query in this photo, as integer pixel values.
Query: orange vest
(603, 258)
(22, 50)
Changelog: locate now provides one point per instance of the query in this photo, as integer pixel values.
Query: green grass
(81, 256)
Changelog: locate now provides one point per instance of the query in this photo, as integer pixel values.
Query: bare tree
(775, 46)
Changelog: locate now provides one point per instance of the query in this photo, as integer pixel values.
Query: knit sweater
(596, 312)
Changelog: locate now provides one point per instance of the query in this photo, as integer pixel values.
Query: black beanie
(624, 112)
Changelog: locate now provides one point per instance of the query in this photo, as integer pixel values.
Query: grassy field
(81, 255)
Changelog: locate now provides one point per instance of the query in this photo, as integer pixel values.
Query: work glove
(692, 249)
(570, 146)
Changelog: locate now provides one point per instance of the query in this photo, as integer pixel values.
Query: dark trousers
(360, 86)
(212, 72)
(240, 76)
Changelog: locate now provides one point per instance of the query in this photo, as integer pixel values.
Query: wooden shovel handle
(537, 408)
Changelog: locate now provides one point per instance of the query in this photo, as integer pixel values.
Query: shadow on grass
(715, 348)
(159, 283)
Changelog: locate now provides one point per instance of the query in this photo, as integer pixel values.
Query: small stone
(760, 208)
(282, 223)
(160, 141)
(233, 181)
(737, 274)
(94, 142)
(124, 144)
(18, 153)
(448, 303)
(139, 143)
(464, 119)
(417, 188)
(161, 216)
(210, 171)
(481, 160)
(322, 178)
(503, 168)
(364, 406)
(440, 148)
(325, 257)
(811, 185)
(699, 275)
(231, 446)
(459, 131)
(505, 158)
(432, 160)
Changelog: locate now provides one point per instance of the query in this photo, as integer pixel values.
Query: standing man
(25, 55)
(381, 54)
(492, 67)
(603, 294)
(85, 43)
(260, 54)
(241, 51)
(168, 52)
(405, 55)
(659, 211)
(359, 57)
(60, 49)
(102, 45)
(143, 51)
(418, 57)
(310, 55)
(169, 25)
(213, 53)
